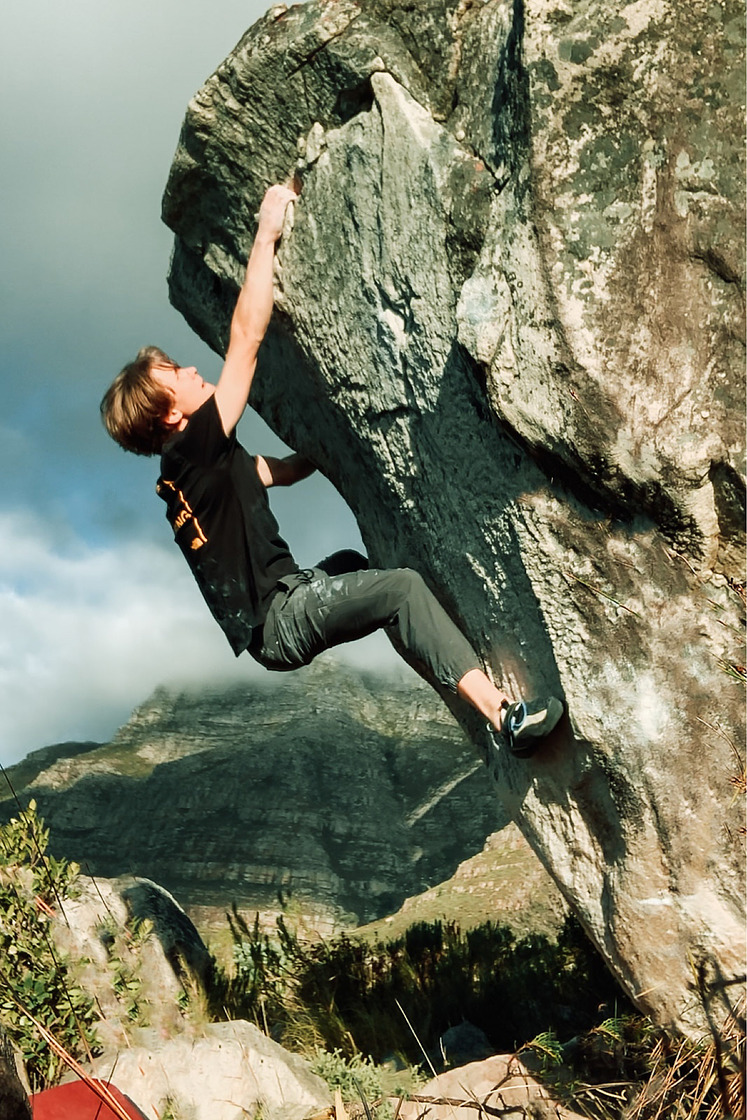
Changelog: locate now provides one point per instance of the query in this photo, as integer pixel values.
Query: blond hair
(135, 406)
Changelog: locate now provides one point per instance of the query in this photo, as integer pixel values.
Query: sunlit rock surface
(510, 330)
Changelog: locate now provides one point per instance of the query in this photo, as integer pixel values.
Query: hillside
(340, 794)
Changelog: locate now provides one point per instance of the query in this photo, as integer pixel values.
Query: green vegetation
(125, 962)
(627, 1067)
(356, 998)
(35, 983)
(352, 1005)
(365, 1083)
(367, 1015)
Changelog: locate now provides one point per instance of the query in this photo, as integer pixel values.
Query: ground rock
(463, 1044)
(131, 946)
(500, 1082)
(509, 331)
(226, 1072)
(134, 950)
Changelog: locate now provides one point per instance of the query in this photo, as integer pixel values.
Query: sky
(97, 606)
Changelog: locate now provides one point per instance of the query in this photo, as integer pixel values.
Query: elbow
(245, 342)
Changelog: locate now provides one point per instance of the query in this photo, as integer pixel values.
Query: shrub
(348, 996)
(34, 978)
(350, 999)
(363, 1082)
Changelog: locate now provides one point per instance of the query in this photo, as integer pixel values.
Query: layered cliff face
(510, 332)
(341, 794)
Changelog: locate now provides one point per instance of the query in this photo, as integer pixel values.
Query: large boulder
(510, 332)
(130, 946)
(225, 1072)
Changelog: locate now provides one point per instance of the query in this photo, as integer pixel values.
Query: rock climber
(217, 504)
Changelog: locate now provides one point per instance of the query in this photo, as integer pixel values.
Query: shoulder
(203, 440)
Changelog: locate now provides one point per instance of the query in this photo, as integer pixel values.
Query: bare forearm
(297, 467)
(283, 472)
(253, 310)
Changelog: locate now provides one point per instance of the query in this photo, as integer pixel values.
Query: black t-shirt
(223, 524)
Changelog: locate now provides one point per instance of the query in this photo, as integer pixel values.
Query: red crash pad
(75, 1101)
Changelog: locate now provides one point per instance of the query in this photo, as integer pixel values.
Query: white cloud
(86, 634)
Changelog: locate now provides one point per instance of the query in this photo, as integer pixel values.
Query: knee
(399, 587)
(410, 582)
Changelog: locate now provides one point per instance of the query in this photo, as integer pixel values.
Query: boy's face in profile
(187, 389)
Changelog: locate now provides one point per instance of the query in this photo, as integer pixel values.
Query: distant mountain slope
(504, 883)
(344, 792)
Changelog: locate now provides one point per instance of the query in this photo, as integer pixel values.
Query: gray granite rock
(509, 331)
(129, 944)
(226, 1071)
(501, 1083)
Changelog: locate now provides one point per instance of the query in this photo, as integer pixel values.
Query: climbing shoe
(526, 723)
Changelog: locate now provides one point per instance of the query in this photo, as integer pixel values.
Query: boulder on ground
(228, 1071)
(510, 330)
(132, 947)
(501, 1083)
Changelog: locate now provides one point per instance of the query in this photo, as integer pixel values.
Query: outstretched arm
(283, 472)
(251, 316)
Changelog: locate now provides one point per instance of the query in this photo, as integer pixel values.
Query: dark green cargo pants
(342, 600)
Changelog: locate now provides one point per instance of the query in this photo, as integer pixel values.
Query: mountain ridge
(347, 793)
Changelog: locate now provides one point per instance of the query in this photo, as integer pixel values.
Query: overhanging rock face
(510, 330)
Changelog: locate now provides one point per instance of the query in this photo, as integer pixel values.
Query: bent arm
(253, 310)
(283, 472)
